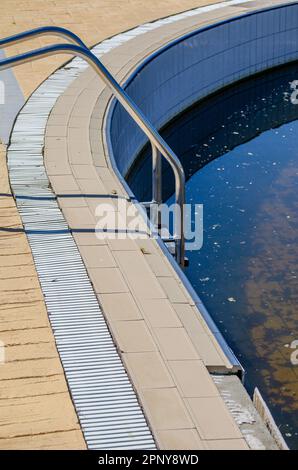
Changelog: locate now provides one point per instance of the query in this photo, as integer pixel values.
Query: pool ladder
(76, 47)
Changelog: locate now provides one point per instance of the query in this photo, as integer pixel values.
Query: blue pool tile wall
(199, 64)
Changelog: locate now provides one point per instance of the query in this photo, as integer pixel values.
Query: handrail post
(179, 220)
(156, 185)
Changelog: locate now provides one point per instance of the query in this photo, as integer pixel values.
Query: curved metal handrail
(157, 142)
(44, 31)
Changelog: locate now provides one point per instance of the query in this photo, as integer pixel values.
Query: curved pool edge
(108, 140)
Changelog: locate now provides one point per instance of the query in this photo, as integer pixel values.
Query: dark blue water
(240, 153)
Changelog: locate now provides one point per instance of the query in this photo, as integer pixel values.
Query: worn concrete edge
(247, 415)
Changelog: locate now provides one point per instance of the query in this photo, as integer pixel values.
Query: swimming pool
(239, 151)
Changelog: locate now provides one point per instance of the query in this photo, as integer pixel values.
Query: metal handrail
(159, 146)
(44, 31)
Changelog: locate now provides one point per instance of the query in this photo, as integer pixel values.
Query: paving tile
(79, 139)
(87, 239)
(213, 419)
(172, 289)
(107, 280)
(88, 97)
(97, 256)
(92, 186)
(175, 344)
(227, 444)
(76, 121)
(105, 174)
(41, 386)
(64, 104)
(180, 439)
(79, 217)
(190, 318)
(133, 336)
(24, 316)
(99, 160)
(165, 409)
(122, 245)
(113, 187)
(120, 306)
(139, 275)
(75, 200)
(84, 172)
(56, 130)
(56, 416)
(63, 183)
(31, 368)
(55, 144)
(79, 150)
(25, 352)
(193, 379)
(159, 264)
(205, 345)
(16, 260)
(160, 313)
(57, 119)
(28, 295)
(32, 336)
(58, 168)
(27, 283)
(78, 155)
(59, 440)
(148, 370)
(101, 205)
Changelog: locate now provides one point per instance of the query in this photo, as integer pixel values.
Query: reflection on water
(241, 157)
